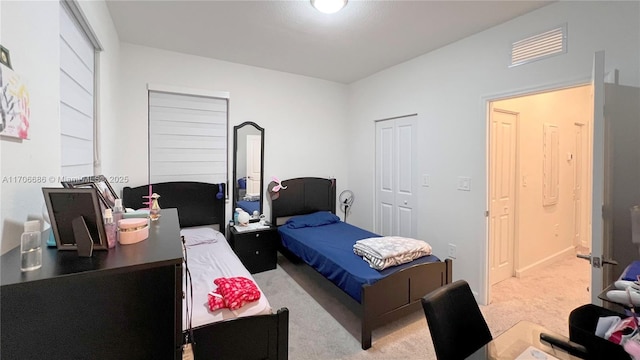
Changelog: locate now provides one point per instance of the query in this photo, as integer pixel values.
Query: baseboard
(564, 254)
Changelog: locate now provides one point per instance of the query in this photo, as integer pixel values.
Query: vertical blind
(187, 138)
(77, 59)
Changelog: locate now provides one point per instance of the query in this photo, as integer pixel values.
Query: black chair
(456, 324)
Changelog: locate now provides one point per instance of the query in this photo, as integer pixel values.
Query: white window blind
(77, 65)
(187, 138)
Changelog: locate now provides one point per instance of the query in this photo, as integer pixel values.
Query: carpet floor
(324, 322)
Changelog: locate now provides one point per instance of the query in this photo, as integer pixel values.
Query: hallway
(546, 297)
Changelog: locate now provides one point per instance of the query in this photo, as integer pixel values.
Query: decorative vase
(154, 212)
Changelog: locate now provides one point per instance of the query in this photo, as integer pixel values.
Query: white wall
(304, 118)
(30, 30)
(449, 88)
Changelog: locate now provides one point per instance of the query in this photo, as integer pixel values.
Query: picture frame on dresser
(65, 205)
(106, 193)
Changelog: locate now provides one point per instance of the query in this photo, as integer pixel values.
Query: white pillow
(198, 235)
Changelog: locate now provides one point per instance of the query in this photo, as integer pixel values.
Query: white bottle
(118, 211)
(235, 215)
(118, 214)
(31, 246)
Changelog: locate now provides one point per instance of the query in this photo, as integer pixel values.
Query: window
(78, 47)
(187, 136)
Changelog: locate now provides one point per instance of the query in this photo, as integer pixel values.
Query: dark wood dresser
(125, 303)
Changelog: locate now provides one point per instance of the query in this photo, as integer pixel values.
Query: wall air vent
(540, 46)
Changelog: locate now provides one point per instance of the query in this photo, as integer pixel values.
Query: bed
(222, 334)
(384, 296)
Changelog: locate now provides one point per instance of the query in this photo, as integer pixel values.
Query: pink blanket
(232, 293)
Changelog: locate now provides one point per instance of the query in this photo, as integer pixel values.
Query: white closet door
(385, 187)
(395, 177)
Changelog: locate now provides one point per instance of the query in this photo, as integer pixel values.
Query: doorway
(539, 156)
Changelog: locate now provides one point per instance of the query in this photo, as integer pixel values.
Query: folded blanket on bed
(251, 197)
(382, 252)
(232, 293)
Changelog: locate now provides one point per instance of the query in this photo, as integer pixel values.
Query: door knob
(405, 202)
(584, 256)
(597, 261)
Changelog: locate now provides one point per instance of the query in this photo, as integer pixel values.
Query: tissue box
(142, 213)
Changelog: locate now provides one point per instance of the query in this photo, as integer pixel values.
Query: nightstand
(255, 248)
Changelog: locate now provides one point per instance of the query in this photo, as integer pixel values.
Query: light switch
(425, 180)
(464, 183)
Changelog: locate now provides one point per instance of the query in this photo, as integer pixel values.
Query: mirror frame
(234, 180)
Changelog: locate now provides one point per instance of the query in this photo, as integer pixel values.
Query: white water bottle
(31, 246)
(235, 215)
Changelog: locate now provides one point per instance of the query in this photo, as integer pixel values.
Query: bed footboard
(399, 295)
(252, 337)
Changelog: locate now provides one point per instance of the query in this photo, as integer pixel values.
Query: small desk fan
(346, 200)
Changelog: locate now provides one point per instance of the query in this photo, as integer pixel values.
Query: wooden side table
(257, 249)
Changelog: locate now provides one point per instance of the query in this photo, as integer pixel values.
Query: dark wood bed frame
(251, 337)
(389, 299)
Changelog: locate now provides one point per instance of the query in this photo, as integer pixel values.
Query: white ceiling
(291, 36)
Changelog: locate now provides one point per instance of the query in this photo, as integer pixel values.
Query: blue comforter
(249, 206)
(329, 250)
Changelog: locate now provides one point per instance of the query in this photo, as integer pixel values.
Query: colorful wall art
(14, 104)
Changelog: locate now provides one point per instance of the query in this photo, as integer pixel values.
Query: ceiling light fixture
(328, 6)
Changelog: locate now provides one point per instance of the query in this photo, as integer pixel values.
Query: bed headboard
(303, 196)
(197, 203)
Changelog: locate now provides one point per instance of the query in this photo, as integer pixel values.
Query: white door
(254, 165)
(396, 186)
(502, 177)
(598, 176)
(578, 168)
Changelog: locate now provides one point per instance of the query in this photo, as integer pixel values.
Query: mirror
(248, 157)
